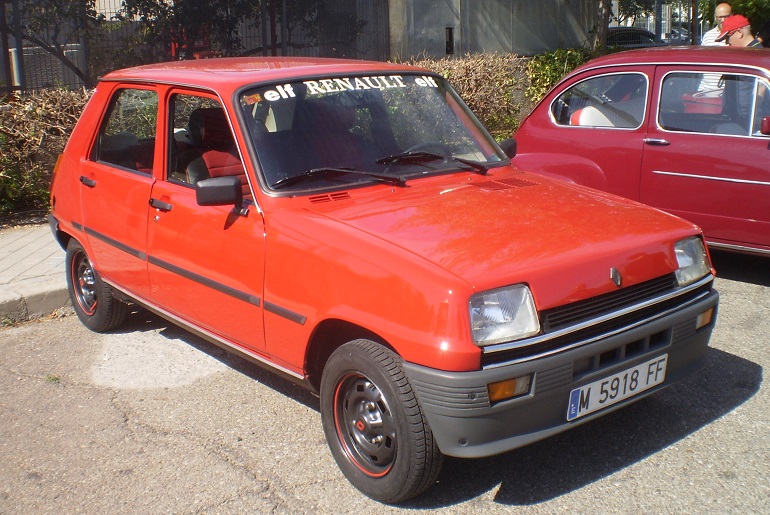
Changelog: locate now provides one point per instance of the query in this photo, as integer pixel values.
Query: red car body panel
(702, 177)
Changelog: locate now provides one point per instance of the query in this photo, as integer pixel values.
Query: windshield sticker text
(338, 85)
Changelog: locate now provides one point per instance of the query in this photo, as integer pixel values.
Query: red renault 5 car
(686, 130)
(353, 227)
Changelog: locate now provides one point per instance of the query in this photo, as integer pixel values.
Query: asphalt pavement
(32, 283)
(151, 419)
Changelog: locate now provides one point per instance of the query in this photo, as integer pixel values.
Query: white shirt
(710, 38)
(711, 80)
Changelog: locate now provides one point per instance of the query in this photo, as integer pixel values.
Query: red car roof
(233, 72)
(705, 55)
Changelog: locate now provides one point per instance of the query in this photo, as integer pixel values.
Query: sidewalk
(32, 282)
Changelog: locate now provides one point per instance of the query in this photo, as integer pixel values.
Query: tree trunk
(602, 22)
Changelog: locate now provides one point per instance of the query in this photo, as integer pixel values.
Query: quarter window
(609, 101)
(127, 136)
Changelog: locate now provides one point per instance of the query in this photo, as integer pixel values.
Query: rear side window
(127, 135)
(609, 101)
(709, 103)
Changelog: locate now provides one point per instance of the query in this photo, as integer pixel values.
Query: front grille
(586, 310)
(570, 314)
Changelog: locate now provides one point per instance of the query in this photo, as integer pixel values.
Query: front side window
(127, 135)
(710, 103)
(201, 143)
(609, 101)
(335, 131)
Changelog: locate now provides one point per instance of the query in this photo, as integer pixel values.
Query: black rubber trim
(115, 243)
(223, 288)
(285, 313)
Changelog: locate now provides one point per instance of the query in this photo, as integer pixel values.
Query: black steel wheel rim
(365, 425)
(84, 283)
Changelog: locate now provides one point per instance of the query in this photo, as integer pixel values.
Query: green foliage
(757, 11)
(492, 85)
(546, 69)
(628, 9)
(33, 132)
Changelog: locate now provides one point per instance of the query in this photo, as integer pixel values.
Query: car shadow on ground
(746, 268)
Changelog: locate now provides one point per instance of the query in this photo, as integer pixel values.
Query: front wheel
(374, 426)
(91, 298)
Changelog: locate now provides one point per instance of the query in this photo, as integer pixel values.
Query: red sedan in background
(686, 130)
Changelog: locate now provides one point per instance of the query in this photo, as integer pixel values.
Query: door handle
(657, 141)
(88, 182)
(159, 204)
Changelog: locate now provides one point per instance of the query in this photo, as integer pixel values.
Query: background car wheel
(92, 299)
(374, 425)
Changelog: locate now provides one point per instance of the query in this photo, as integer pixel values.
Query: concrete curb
(30, 301)
(32, 283)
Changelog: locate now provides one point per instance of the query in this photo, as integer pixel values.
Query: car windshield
(335, 131)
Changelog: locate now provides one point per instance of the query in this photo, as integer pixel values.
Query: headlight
(503, 315)
(692, 259)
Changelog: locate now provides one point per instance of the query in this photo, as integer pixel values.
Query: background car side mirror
(509, 147)
(219, 191)
(765, 129)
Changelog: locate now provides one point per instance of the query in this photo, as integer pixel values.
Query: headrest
(213, 127)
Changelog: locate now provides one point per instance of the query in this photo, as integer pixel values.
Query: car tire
(91, 298)
(374, 425)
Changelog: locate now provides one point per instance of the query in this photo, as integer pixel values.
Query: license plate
(617, 387)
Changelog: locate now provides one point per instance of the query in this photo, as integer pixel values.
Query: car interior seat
(217, 155)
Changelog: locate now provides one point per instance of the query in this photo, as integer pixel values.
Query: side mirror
(765, 129)
(219, 191)
(509, 147)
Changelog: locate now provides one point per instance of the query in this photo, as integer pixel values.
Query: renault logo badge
(616, 277)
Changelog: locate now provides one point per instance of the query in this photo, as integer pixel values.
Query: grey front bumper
(466, 424)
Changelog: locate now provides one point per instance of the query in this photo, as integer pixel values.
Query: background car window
(202, 145)
(127, 136)
(615, 101)
(735, 107)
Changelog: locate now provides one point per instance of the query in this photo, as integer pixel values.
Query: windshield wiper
(424, 157)
(314, 172)
(409, 157)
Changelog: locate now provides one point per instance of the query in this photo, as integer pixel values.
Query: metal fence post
(18, 44)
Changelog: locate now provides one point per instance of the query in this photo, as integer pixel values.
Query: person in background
(736, 31)
(763, 34)
(721, 13)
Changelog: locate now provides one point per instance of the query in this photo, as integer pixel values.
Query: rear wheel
(92, 299)
(374, 425)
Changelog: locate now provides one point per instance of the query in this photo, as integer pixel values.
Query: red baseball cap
(731, 23)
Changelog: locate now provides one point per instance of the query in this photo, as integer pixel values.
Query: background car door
(206, 263)
(115, 186)
(704, 158)
(592, 131)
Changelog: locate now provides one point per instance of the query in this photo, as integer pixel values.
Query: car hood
(511, 227)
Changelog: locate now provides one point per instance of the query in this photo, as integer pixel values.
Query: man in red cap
(736, 31)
